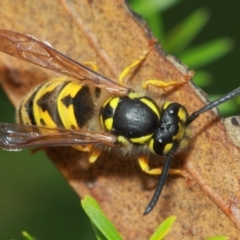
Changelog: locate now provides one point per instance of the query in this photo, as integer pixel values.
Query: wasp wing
(32, 50)
(14, 137)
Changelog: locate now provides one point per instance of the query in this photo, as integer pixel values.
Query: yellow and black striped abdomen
(59, 103)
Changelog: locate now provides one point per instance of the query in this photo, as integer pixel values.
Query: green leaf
(98, 233)
(218, 238)
(181, 35)
(27, 236)
(103, 228)
(164, 228)
(206, 53)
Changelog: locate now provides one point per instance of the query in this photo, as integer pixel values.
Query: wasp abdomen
(58, 103)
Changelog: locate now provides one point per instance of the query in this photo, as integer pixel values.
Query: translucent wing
(32, 50)
(14, 137)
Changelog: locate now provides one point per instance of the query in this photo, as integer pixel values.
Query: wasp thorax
(131, 117)
(171, 128)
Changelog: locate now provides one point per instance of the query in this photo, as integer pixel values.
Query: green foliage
(105, 230)
(184, 32)
(206, 53)
(177, 40)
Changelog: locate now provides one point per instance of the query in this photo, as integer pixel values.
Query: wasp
(90, 112)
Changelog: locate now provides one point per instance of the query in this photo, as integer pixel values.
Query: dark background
(36, 198)
(224, 22)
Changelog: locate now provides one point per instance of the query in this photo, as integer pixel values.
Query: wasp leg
(83, 148)
(129, 68)
(161, 83)
(91, 65)
(155, 82)
(143, 162)
(94, 155)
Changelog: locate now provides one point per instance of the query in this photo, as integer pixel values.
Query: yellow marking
(108, 124)
(101, 120)
(180, 133)
(141, 140)
(150, 145)
(67, 112)
(160, 83)
(114, 102)
(151, 105)
(22, 112)
(166, 104)
(122, 139)
(133, 95)
(94, 155)
(182, 114)
(46, 118)
(37, 111)
(167, 148)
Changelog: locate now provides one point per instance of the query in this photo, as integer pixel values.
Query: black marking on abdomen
(48, 102)
(42, 122)
(29, 108)
(83, 105)
(67, 101)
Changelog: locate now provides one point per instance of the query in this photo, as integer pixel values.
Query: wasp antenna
(213, 104)
(162, 179)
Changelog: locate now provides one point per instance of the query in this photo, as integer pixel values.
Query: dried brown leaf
(207, 204)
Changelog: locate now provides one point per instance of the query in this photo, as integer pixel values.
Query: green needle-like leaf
(98, 233)
(164, 228)
(179, 37)
(99, 220)
(206, 53)
(27, 236)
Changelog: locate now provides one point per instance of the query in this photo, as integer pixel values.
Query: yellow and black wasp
(93, 113)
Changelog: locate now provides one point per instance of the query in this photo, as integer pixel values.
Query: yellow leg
(94, 155)
(91, 65)
(143, 162)
(129, 68)
(155, 82)
(83, 148)
(161, 83)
